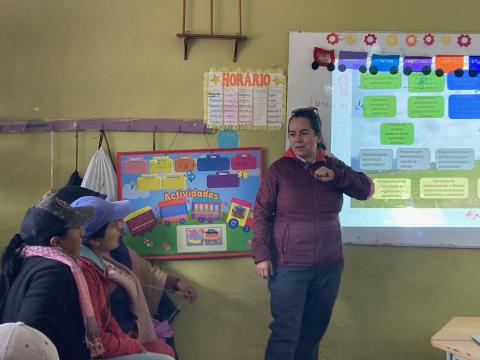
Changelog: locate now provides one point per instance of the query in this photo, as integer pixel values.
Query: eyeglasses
(305, 109)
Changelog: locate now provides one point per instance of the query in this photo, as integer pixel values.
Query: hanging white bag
(101, 175)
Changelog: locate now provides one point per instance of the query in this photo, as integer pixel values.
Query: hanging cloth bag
(101, 175)
(75, 179)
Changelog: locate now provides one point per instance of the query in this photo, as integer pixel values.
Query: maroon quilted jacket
(296, 218)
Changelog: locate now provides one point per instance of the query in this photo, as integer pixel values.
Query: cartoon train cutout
(207, 210)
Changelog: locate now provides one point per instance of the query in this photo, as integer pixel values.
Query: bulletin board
(405, 109)
(190, 203)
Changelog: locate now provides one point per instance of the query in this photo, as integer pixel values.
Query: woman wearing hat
(150, 299)
(101, 235)
(42, 286)
(154, 280)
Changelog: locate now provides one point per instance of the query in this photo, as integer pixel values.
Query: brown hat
(45, 218)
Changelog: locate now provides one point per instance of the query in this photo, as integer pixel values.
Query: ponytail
(321, 145)
(11, 263)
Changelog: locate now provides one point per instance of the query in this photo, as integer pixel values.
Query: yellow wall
(120, 58)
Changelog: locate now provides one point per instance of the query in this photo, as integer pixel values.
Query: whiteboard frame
(300, 72)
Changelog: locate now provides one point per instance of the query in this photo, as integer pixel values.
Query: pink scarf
(122, 276)
(92, 339)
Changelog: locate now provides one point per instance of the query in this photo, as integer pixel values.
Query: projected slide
(417, 137)
(405, 109)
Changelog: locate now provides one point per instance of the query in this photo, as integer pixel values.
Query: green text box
(396, 134)
(390, 188)
(426, 106)
(381, 81)
(379, 106)
(444, 188)
(419, 82)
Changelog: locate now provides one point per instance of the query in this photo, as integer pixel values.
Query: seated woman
(154, 281)
(42, 286)
(155, 284)
(101, 236)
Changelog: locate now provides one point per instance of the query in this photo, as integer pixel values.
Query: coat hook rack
(114, 124)
(187, 36)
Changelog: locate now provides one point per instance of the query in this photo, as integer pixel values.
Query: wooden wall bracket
(187, 36)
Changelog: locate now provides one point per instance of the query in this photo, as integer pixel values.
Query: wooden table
(456, 338)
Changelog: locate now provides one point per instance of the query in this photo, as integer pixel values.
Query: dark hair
(311, 114)
(12, 262)
(12, 259)
(72, 193)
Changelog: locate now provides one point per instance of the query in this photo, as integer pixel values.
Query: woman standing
(42, 286)
(297, 242)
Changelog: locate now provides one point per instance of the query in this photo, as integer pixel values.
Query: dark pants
(301, 302)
